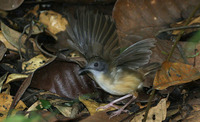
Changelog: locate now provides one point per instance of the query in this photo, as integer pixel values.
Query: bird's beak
(82, 71)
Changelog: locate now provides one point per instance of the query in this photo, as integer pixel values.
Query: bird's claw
(115, 113)
(107, 106)
(118, 112)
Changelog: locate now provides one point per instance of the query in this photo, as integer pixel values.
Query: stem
(178, 28)
(182, 31)
(148, 105)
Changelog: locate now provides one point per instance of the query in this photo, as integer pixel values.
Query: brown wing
(93, 35)
(135, 55)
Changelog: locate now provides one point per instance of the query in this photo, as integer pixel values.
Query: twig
(182, 31)
(181, 52)
(177, 28)
(20, 41)
(42, 50)
(19, 93)
(28, 37)
(149, 105)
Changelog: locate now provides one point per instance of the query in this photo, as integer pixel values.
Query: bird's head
(95, 66)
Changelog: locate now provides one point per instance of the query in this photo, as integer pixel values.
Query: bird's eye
(96, 64)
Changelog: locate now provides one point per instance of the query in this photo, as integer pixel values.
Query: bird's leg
(111, 104)
(116, 113)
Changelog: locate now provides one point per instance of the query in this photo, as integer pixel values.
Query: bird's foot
(107, 106)
(118, 112)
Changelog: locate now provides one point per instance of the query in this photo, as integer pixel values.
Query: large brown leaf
(140, 19)
(62, 78)
(143, 18)
(10, 4)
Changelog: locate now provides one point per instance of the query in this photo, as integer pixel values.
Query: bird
(116, 71)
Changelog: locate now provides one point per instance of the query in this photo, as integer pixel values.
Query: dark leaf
(10, 4)
(3, 50)
(141, 19)
(61, 77)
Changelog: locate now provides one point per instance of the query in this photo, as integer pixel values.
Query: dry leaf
(14, 77)
(33, 106)
(144, 18)
(15, 40)
(58, 103)
(6, 43)
(7, 87)
(2, 79)
(34, 63)
(156, 114)
(3, 50)
(190, 112)
(5, 102)
(194, 114)
(173, 74)
(66, 111)
(140, 19)
(193, 101)
(172, 112)
(12, 37)
(54, 21)
(92, 105)
(36, 27)
(62, 78)
(193, 117)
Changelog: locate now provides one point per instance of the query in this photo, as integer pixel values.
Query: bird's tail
(149, 68)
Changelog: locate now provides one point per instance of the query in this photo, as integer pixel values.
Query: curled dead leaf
(174, 74)
(14, 77)
(54, 21)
